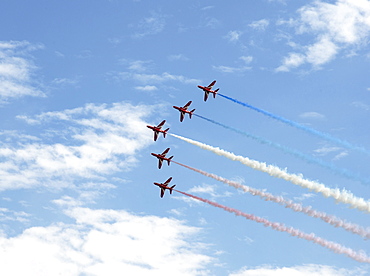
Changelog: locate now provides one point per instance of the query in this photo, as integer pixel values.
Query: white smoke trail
(335, 247)
(342, 196)
(297, 207)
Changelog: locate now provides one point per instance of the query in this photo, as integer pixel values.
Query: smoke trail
(335, 247)
(340, 196)
(320, 134)
(295, 153)
(297, 207)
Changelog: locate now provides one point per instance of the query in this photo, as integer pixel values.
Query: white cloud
(59, 54)
(293, 60)
(138, 65)
(9, 215)
(211, 22)
(326, 150)
(321, 52)
(229, 69)
(208, 189)
(85, 54)
(146, 88)
(151, 25)
(280, 1)
(206, 8)
(304, 196)
(340, 155)
(312, 115)
(102, 139)
(335, 26)
(305, 270)
(236, 69)
(361, 105)
(246, 59)
(105, 242)
(260, 25)
(155, 78)
(233, 36)
(178, 57)
(66, 81)
(329, 150)
(17, 70)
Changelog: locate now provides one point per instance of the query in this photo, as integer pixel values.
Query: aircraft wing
(165, 152)
(161, 124)
(155, 135)
(211, 84)
(167, 181)
(187, 105)
(162, 192)
(206, 95)
(182, 115)
(160, 161)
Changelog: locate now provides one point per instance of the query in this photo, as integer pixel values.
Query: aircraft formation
(341, 196)
(158, 129)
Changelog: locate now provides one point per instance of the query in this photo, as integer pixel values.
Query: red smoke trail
(335, 247)
(297, 207)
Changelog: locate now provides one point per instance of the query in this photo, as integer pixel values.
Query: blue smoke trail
(320, 134)
(346, 173)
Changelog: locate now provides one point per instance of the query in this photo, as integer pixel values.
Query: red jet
(162, 157)
(184, 110)
(208, 89)
(157, 129)
(164, 186)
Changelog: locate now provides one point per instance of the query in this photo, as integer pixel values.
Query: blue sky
(79, 82)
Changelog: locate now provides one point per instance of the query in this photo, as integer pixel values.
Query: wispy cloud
(339, 152)
(99, 141)
(156, 78)
(229, 69)
(212, 22)
(208, 189)
(340, 155)
(139, 65)
(361, 105)
(233, 36)
(206, 8)
(177, 57)
(304, 270)
(151, 25)
(10, 215)
(246, 60)
(17, 70)
(335, 26)
(326, 150)
(304, 196)
(146, 88)
(105, 242)
(66, 81)
(260, 25)
(312, 115)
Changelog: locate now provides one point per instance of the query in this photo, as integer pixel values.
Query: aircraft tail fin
(214, 94)
(169, 160)
(165, 132)
(191, 113)
(172, 189)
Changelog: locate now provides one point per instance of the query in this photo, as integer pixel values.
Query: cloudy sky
(289, 137)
